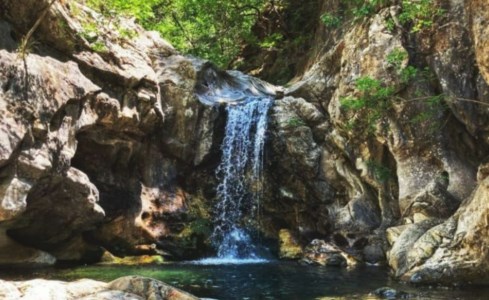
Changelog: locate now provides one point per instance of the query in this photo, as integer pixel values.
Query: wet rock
(374, 252)
(108, 258)
(321, 253)
(390, 293)
(289, 246)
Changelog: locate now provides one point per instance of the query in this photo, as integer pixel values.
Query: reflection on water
(278, 280)
(229, 261)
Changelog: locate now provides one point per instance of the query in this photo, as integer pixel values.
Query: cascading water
(240, 172)
(240, 181)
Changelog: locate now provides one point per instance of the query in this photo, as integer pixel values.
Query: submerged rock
(321, 253)
(110, 259)
(390, 293)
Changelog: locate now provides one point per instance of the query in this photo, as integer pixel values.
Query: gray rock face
(454, 251)
(402, 178)
(107, 149)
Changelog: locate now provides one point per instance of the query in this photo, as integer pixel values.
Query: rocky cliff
(103, 143)
(109, 140)
(386, 137)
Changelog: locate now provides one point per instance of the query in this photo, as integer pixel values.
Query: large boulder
(124, 288)
(454, 251)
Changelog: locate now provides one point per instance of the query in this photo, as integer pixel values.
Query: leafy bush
(330, 20)
(271, 41)
(396, 57)
(373, 98)
(419, 14)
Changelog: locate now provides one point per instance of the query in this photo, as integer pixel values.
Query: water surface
(274, 280)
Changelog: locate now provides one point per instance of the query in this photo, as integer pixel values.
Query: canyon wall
(377, 145)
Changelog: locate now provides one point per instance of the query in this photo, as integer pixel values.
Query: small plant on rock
(295, 122)
(373, 99)
(330, 20)
(379, 171)
(99, 47)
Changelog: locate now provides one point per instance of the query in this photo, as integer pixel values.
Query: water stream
(240, 181)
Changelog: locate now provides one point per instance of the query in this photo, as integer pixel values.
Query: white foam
(228, 261)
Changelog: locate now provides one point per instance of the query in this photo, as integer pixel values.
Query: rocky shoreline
(124, 288)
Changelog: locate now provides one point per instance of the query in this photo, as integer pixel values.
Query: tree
(211, 29)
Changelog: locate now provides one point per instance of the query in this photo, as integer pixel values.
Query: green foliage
(201, 226)
(295, 122)
(211, 29)
(373, 98)
(140, 9)
(380, 172)
(26, 46)
(127, 34)
(419, 14)
(99, 47)
(271, 41)
(396, 57)
(408, 73)
(373, 93)
(390, 24)
(364, 8)
(90, 31)
(330, 20)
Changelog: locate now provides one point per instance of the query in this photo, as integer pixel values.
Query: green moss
(109, 273)
(90, 31)
(127, 34)
(295, 122)
(397, 57)
(108, 258)
(99, 47)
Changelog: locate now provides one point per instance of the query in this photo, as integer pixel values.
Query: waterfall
(240, 180)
